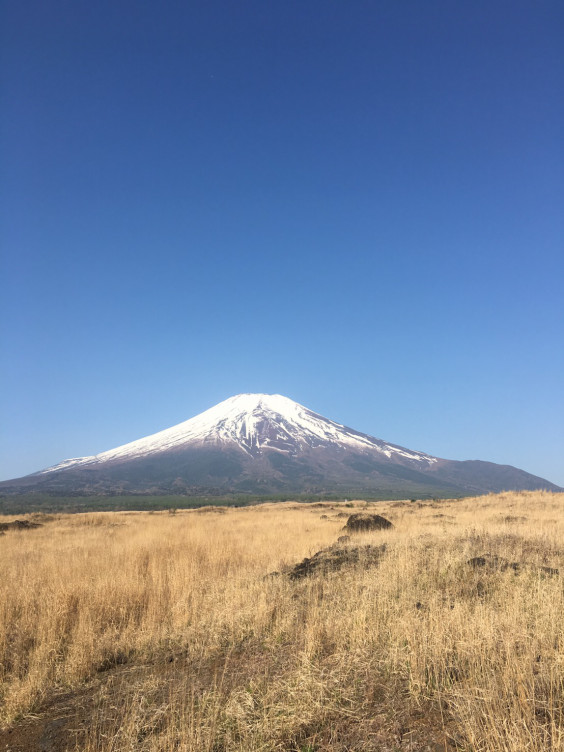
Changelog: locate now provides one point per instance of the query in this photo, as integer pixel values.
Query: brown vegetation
(161, 632)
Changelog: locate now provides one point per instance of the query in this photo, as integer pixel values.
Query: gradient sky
(355, 204)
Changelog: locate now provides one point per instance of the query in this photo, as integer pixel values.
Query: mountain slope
(253, 422)
(268, 444)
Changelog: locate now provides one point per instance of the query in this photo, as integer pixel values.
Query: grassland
(17, 504)
(156, 631)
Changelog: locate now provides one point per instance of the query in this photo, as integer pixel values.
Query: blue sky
(357, 205)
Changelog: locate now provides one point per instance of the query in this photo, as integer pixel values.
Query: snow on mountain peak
(255, 423)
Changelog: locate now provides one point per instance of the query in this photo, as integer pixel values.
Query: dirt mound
(334, 558)
(362, 523)
(19, 525)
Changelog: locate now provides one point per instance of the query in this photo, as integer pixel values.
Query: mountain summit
(254, 423)
(269, 444)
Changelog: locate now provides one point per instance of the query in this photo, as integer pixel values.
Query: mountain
(269, 444)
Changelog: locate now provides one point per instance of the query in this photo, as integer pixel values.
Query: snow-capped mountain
(255, 423)
(268, 444)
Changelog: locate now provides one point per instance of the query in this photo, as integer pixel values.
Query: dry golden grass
(163, 632)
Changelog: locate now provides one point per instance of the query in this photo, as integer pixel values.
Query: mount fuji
(269, 444)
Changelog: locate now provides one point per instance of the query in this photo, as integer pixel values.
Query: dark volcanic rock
(362, 523)
(493, 563)
(550, 570)
(333, 558)
(18, 525)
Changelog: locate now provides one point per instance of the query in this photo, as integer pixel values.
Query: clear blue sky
(354, 204)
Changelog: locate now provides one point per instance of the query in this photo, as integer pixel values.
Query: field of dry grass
(146, 632)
